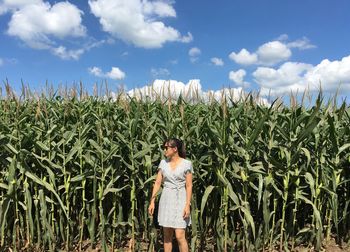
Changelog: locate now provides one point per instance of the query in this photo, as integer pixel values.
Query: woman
(174, 205)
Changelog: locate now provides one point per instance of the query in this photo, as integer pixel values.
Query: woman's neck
(174, 158)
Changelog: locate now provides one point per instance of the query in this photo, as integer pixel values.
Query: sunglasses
(166, 147)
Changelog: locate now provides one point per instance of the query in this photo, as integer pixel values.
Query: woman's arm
(187, 210)
(156, 187)
(188, 188)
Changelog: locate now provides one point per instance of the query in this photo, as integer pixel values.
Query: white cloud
(244, 57)
(283, 37)
(161, 9)
(288, 74)
(273, 52)
(13, 5)
(137, 22)
(293, 76)
(270, 53)
(238, 77)
(114, 74)
(236, 94)
(301, 44)
(194, 53)
(75, 54)
(186, 39)
(41, 25)
(1, 62)
(167, 89)
(331, 74)
(96, 71)
(35, 24)
(65, 54)
(156, 72)
(217, 61)
(191, 92)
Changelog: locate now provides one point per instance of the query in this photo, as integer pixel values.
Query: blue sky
(272, 46)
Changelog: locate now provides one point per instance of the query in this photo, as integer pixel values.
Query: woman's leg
(168, 238)
(180, 234)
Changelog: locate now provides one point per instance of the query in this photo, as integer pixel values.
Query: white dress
(173, 199)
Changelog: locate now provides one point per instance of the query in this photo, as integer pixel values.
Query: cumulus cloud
(273, 52)
(161, 9)
(244, 57)
(114, 74)
(288, 74)
(156, 72)
(194, 53)
(331, 74)
(270, 53)
(293, 76)
(138, 22)
(267, 54)
(13, 5)
(217, 61)
(191, 91)
(36, 23)
(167, 89)
(43, 26)
(238, 77)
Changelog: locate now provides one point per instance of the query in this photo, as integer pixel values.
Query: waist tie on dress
(177, 188)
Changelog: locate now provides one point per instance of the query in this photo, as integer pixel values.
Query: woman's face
(169, 150)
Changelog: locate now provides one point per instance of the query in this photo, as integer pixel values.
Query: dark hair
(174, 142)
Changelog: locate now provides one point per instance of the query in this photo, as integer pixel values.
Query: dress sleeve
(161, 166)
(189, 168)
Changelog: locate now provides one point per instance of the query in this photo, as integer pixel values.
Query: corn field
(81, 168)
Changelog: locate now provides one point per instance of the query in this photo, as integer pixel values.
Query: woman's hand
(187, 212)
(151, 208)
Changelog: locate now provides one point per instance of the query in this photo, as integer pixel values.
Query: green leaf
(48, 187)
(11, 148)
(42, 146)
(249, 218)
(206, 194)
(344, 147)
(114, 190)
(96, 146)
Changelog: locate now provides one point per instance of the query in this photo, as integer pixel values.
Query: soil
(329, 246)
